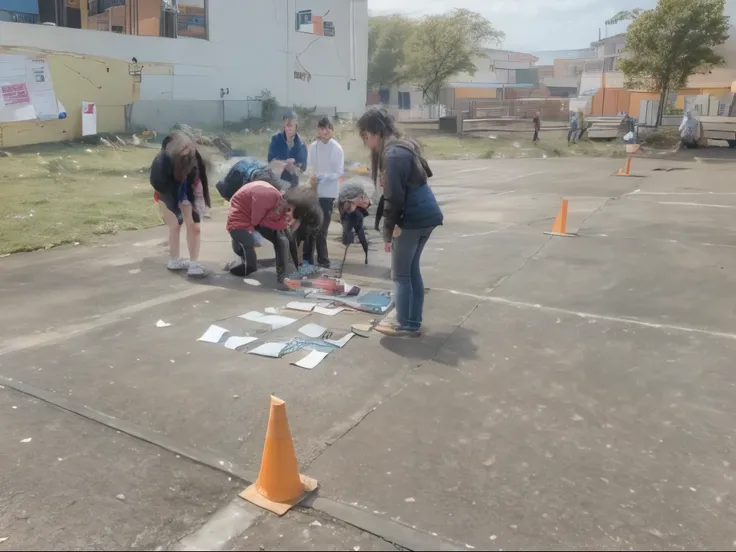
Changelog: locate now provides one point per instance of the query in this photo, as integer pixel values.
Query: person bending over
(260, 207)
(353, 203)
(177, 174)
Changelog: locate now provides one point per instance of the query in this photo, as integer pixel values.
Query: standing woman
(411, 213)
(177, 174)
(288, 147)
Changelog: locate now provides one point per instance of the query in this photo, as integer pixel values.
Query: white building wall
(253, 46)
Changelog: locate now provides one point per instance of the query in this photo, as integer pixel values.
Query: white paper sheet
(213, 334)
(162, 324)
(271, 310)
(328, 311)
(311, 360)
(89, 118)
(271, 350)
(236, 341)
(301, 306)
(312, 330)
(251, 282)
(340, 342)
(273, 320)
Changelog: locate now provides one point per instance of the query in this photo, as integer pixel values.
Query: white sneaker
(178, 264)
(195, 270)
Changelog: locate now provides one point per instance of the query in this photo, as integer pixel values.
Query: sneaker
(178, 264)
(391, 329)
(324, 264)
(195, 270)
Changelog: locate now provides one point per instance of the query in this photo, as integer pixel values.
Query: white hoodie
(327, 163)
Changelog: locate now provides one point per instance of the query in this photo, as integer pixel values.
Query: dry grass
(66, 193)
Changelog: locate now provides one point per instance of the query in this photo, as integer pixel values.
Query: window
(404, 100)
(192, 18)
(170, 18)
(383, 95)
(19, 11)
(303, 19)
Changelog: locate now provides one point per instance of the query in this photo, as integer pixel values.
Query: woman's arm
(397, 165)
(337, 162)
(300, 156)
(272, 148)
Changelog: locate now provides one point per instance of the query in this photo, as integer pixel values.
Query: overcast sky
(531, 24)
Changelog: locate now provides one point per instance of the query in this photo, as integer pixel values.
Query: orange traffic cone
(626, 171)
(559, 228)
(279, 487)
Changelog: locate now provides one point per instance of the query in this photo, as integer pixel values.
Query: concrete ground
(567, 393)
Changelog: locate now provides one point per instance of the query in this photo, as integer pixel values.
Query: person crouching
(259, 207)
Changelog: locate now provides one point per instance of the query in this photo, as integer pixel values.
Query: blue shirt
(279, 149)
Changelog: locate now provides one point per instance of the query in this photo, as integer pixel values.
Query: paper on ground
(236, 341)
(340, 342)
(272, 350)
(311, 360)
(251, 282)
(312, 330)
(272, 320)
(213, 334)
(327, 311)
(162, 324)
(301, 306)
(271, 310)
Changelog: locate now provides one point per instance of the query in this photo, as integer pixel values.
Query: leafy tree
(625, 15)
(387, 35)
(444, 45)
(668, 44)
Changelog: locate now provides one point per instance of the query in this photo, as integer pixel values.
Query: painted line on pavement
(589, 315)
(57, 336)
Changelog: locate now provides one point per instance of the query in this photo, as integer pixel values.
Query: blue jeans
(406, 252)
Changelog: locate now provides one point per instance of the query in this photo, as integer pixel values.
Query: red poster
(14, 94)
(89, 109)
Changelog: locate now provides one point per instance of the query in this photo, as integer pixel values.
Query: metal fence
(161, 115)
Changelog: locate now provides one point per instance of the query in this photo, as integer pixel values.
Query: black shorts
(172, 204)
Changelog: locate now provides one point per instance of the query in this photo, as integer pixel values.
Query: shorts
(172, 204)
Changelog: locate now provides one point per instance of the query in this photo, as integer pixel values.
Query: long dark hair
(378, 121)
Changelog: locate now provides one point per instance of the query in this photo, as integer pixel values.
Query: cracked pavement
(568, 393)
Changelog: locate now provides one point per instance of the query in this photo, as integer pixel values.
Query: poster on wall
(15, 94)
(43, 96)
(26, 89)
(89, 119)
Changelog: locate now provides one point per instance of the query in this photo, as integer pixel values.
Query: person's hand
(397, 232)
(290, 161)
(313, 180)
(387, 247)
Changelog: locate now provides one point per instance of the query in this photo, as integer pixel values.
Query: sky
(531, 25)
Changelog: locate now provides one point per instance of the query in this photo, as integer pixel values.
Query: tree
(668, 44)
(387, 35)
(444, 45)
(626, 15)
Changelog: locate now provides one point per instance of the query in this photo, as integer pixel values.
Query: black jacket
(162, 175)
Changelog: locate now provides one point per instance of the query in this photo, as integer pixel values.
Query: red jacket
(256, 204)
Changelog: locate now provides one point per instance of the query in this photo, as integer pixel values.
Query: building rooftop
(614, 38)
(547, 57)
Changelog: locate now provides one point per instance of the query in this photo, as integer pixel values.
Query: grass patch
(663, 137)
(73, 193)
